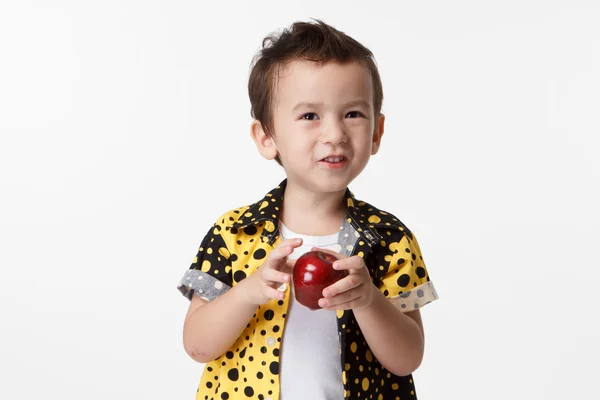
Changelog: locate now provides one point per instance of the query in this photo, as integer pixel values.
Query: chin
(332, 185)
(324, 183)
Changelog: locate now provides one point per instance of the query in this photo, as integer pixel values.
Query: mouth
(334, 161)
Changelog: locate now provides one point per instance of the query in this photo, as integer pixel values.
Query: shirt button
(271, 341)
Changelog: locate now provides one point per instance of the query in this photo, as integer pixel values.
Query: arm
(395, 338)
(227, 316)
(212, 327)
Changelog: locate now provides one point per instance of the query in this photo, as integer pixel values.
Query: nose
(333, 132)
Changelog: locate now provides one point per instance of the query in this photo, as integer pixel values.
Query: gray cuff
(416, 298)
(202, 284)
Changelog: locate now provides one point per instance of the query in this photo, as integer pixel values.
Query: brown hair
(311, 41)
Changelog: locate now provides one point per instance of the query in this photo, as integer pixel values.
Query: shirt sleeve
(209, 275)
(407, 284)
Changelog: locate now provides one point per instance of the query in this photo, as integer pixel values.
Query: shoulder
(244, 222)
(379, 219)
(231, 217)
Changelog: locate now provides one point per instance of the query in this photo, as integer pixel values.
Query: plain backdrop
(125, 133)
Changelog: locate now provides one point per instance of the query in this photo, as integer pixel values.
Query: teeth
(334, 159)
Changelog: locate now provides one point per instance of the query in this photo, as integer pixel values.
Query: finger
(354, 263)
(333, 253)
(351, 305)
(282, 251)
(295, 242)
(275, 276)
(272, 293)
(340, 300)
(343, 285)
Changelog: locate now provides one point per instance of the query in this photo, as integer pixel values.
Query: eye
(309, 116)
(354, 114)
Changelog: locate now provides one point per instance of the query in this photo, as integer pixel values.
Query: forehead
(332, 83)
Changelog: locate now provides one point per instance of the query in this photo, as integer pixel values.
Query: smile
(334, 159)
(334, 162)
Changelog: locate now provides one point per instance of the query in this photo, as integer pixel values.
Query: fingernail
(322, 303)
(336, 265)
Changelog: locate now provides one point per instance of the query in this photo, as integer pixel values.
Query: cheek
(296, 140)
(296, 151)
(363, 140)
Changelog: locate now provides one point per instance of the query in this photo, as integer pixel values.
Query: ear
(264, 143)
(377, 134)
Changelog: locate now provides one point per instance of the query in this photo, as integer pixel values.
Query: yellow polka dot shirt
(237, 244)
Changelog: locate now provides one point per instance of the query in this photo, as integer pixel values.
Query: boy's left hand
(354, 291)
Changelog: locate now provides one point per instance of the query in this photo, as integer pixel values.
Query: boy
(316, 101)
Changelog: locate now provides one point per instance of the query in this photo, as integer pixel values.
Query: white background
(125, 133)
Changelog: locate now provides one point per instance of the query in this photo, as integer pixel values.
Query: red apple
(313, 272)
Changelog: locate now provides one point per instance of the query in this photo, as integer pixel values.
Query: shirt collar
(365, 218)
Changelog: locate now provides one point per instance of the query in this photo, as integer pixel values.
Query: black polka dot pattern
(239, 276)
(269, 315)
(233, 374)
(403, 280)
(250, 230)
(259, 254)
(240, 242)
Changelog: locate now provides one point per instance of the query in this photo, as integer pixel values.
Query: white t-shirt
(310, 351)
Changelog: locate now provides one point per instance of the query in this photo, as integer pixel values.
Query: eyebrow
(305, 104)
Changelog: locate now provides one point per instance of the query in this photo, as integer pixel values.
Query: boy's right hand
(261, 286)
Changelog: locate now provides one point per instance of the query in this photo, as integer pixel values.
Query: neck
(310, 213)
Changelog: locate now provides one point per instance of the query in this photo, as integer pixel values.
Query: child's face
(323, 111)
